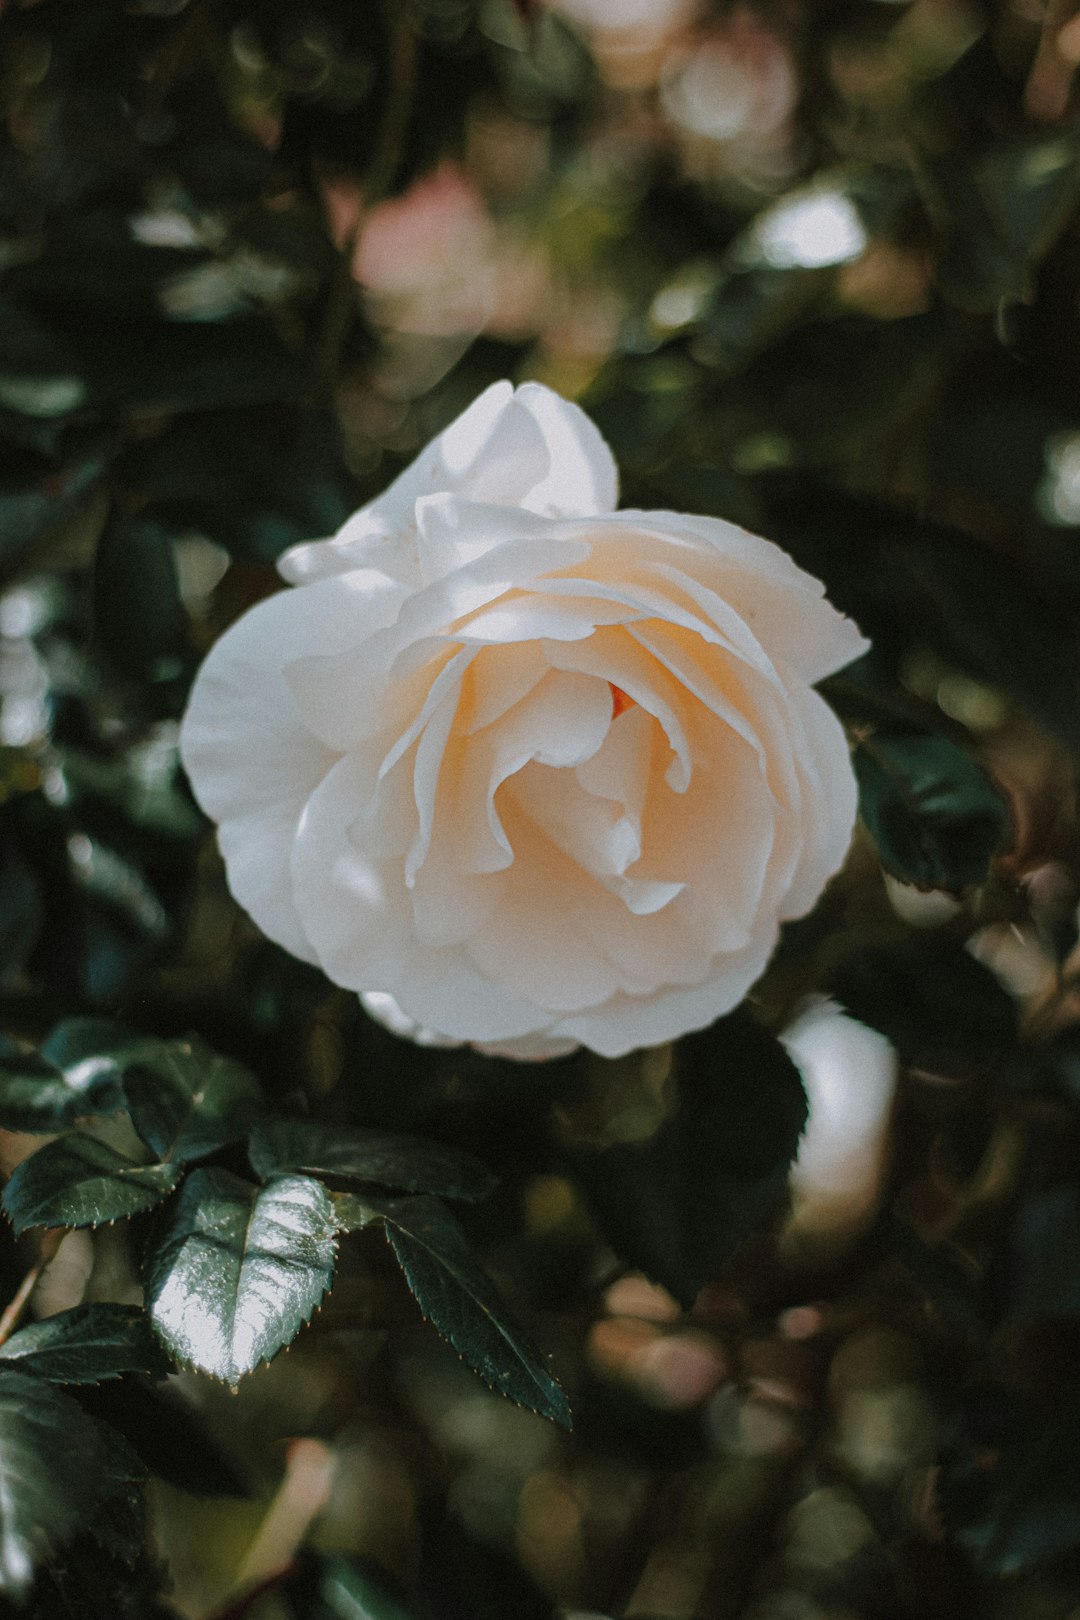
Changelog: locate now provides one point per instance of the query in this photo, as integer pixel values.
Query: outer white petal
(386, 1010)
(250, 759)
(627, 1022)
(830, 800)
(350, 899)
(582, 478)
(383, 533)
(526, 449)
(784, 606)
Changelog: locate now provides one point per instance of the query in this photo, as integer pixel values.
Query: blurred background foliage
(814, 266)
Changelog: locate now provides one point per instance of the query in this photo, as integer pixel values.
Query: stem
(12, 1314)
(374, 185)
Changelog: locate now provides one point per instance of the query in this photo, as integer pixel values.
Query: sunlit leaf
(408, 1162)
(87, 1344)
(81, 1181)
(459, 1298)
(239, 1269)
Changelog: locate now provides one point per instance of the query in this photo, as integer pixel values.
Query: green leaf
(187, 1101)
(999, 214)
(462, 1302)
(256, 480)
(239, 1269)
(678, 1204)
(118, 1521)
(59, 1473)
(75, 1073)
(991, 615)
(1008, 1485)
(408, 1162)
(943, 1011)
(936, 819)
(87, 1344)
(139, 613)
(169, 1435)
(338, 1589)
(81, 1181)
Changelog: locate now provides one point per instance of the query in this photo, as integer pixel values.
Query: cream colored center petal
(625, 814)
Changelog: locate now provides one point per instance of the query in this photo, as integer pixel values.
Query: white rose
(533, 771)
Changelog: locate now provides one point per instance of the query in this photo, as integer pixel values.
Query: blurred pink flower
(426, 257)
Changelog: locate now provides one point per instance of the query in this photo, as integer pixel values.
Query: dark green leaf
(678, 1204)
(85, 1047)
(87, 1582)
(239, 1269)
(187, 1101)
(999, 213)
(118, 1521)
(58, 1472)
(36, 1096)
(339, 1589)
(979, 610)
(408, 1162)
(460, 1299)
(139, 614)
(168, 1434)
(87, 1344)
(255, 480)
(1008, 1487)
(81, 1181)
(78, 1071)
(943, 1011)
(936, 819)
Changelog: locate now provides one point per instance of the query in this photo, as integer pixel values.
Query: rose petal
(583, 477)
(251, 760)
(529, 449)
(784, 606)
(831, 799)
(351, 904)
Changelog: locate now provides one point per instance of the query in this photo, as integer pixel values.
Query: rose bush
(530, 770)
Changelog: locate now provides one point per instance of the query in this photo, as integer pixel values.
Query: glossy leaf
(408, 1162)
(187, 1101)
(460, 1300)
(81, 1181)
(936, 819)
(239, 1269)
(76, 1072)
(58, 1474)
(87, 1344)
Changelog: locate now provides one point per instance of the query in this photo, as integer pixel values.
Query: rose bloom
(525, 770)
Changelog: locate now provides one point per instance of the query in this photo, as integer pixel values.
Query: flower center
(620, 700)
